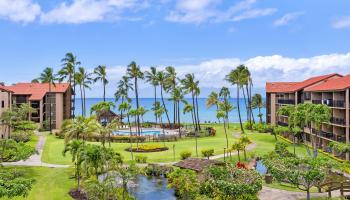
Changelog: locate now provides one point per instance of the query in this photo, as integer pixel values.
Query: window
(2, 104)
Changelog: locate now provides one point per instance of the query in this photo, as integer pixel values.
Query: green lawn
(53, 147)
(50, 183)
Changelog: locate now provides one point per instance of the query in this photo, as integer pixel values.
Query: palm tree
(142, 111)
(163, 84)
(108, 130)
(237, 146)
(190, 85)
(47, 76)
(123, 92)
(224, 108)
(84, 83)
(159, 112)
(257, 102)
(177, 97)
(93, 159)
(225, 95)
(75, 149)
(79, 127)
(238, 78)
(152, 78)
(134, 72)
(245, 141)
(101, 75)
(190, 108)
(170, 75)
(125, 107)
(68, 72)
(213, 100)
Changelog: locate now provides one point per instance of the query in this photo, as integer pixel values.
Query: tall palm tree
(68, 72)
(159, 112)
(177, 97)
(197, 93)
(125, 107)
(75, 149)
(238, 78)
(190, 85)
(257, 102)
(224, 108)
(48, 76)
(84, 80)
(225, 95)
(170, 75)
(213, 100)
(190, 108)
(163, 85)
(134, 72)
(122, 92)
(101, 75)
(152, 78)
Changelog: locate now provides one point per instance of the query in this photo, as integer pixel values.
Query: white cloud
(254, 13)
(285, 19)
(342, 22)
(84, 11)
(23, 11)
(200, 11)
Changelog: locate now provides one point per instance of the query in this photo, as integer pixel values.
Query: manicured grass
(50, 183)
(53, 147)
(33, 140)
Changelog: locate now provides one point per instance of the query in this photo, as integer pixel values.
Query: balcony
(339, 121)
(334, 103)
(339, 138)
(286, 101)
(282, 123)
(317, 101)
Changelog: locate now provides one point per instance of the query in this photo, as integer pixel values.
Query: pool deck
(166, 131)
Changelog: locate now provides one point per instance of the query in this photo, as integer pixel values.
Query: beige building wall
(273, 109)
(5, 103)
(59, 109)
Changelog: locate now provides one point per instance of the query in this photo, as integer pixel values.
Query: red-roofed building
(331, 90)
(38, 95)
(5, 103)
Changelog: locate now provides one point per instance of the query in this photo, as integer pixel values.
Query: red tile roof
(296, 86)
(332, 84)
(4, 88)
(37, 91)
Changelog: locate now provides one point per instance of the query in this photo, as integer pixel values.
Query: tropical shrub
(13, 151)
(185, 154)
(207, 152)
(262, 127)
(21, 136)
(141, 159)
(184, 182)
(230, 182)
(25, 125)
(13, 183)
(281, 149)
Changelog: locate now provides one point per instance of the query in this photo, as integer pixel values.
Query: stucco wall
(59, 110)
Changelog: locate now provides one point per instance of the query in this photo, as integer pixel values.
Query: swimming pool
(144, 132)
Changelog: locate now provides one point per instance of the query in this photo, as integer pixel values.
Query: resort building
(39, 96)
(5, 103)
(331, 90)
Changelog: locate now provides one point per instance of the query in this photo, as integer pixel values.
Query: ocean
(205, 114)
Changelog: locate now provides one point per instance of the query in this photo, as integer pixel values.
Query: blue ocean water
(205, 114)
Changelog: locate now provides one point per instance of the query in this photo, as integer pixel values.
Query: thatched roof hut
(197, 164)
(107, 116)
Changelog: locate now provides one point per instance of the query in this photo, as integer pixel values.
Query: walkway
(268, 193)
(35, 160)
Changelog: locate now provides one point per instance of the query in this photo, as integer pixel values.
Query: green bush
(262, 128)
(14, 184)
(141, 159)
(185, 154)
(25, 126)
(207, 152)
(13, 151)
(21, 136)
(246, 125)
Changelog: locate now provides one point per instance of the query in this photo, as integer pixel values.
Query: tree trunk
(198, 121)
(225, 133)
(239, 156)
(308, 194)
(132, 155)
(166, 111)
(161, 122)
(155, 102)
(260, 115)
(137, 107)
(194, 112)
(178, 118)
(104, 92)
(121, 111)
(82, 100)
(239, 110)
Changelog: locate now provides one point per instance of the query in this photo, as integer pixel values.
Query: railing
(339, 121)
(334, 103)
(286, 101)
(282, 123)
(317, 101)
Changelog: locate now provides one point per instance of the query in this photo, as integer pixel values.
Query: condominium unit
(331, 90)
(41, 98)
(5, 103)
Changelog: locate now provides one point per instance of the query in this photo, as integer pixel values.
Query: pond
(149, 188)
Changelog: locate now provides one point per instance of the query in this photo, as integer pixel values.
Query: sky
(287, 40)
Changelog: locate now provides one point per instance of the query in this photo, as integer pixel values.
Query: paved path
(35, 160)
(268, 193)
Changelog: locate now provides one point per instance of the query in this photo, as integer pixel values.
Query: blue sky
(277, 40)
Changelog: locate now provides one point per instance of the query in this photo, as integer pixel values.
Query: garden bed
(148, 148)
